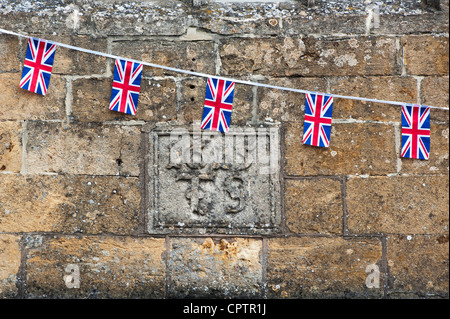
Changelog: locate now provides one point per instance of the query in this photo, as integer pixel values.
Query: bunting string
(198, 74)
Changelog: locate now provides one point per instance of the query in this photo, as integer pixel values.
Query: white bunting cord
(217, 77)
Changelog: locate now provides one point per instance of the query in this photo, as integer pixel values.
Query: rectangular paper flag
(218, 105)
(37, 67)
(318, 116)
(126, 86)
(415, 132)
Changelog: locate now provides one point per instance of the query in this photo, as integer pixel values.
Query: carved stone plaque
(209, 182)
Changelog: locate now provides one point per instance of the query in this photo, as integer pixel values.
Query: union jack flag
(415, 132)
(218, 105)
(37, 67)
(318, 116)
(126, 86)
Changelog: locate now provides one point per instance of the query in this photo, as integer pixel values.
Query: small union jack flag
(415, 132)
(37, 67)
(218, 105)
(126, 86)
(318, 116)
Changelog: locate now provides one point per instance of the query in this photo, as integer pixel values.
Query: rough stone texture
(107, 150)
(285, 106)
(91, 97)
(382, 88)
(309, 57)
(426, 55)
(435, 91)
(103, 272)
(380, 205)
(439, 154)
(355, 149)
(10, 259)
(418, 266)
(193, 96)
(10, 146)
(220, 269)
(13, 105)
(76, 179)
(315, 206)
(9, 54)
(222, 193)
(69, 204)
(198, 56)
(321, 267)
(68, 61)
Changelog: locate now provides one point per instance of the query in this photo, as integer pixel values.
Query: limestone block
(193, 97)
(426, 54)
(354, 149)
(207, 268)
(19, 104)
(198, 56)
(83, 149)
(69, 204)
(390, 88)
(107, 267)
(398, 204)
(10, 257)
(91, 97)
(322, 267)
(309, 57)
(418, 266)
(9, 53)
(10, 146)
(314, 206)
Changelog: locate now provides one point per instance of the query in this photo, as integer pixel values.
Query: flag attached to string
(126, 86)
(37, 66)
(415, 132)
(318, 117)
(218, 105)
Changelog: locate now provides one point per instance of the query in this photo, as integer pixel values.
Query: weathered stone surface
(309, 56)
(74, 62)
(106, 149)
(171, 17)
(418, 266)
(109, 267)
(10, 146)
(19, 104)
(279, 105)
(434, 92)
(158, 18)
(10, 258)
(426, 55)
(91, 97)
(438, 162)
(222, 185)
(198, 56)
(390, 88)
(354, 149)
(9, 53)
(314, 206)
(193, 97)
(322, 267)
(398, 204)
(206, 268)
(70, 167)
(97, 18)
(69, 204)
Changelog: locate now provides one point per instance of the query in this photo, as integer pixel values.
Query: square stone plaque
(203, 182)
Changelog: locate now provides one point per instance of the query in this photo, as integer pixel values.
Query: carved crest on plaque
(222, 183)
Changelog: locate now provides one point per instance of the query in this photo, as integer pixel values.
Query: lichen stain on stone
(238, 250)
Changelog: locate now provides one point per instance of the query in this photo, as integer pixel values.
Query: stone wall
(85, 188)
